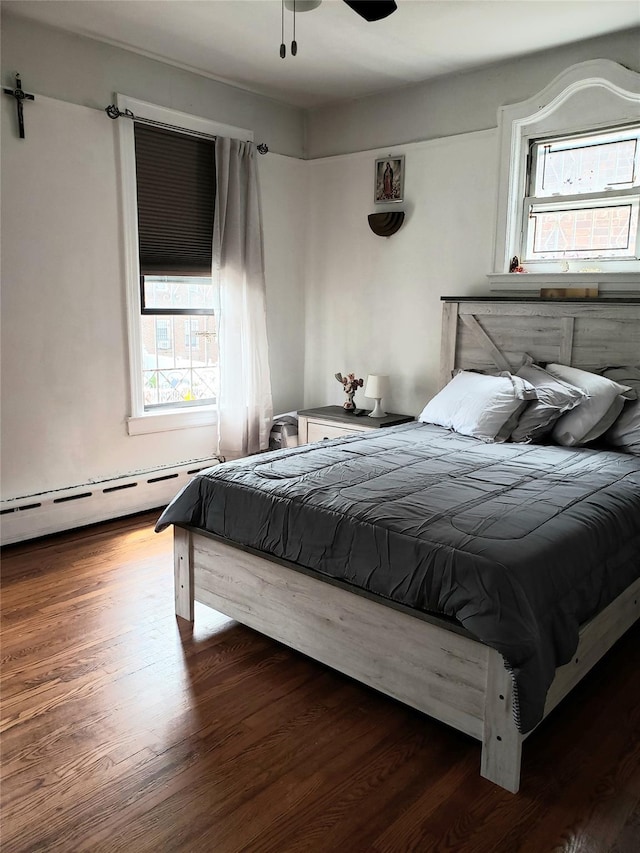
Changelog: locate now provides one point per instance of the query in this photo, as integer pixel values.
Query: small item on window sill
(515, 265)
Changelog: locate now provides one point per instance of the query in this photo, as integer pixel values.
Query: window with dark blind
(175, 176)
(175, 182)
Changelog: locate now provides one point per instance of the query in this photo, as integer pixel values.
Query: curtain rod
(113, 112)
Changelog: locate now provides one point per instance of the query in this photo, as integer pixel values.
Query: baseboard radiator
(64, 509)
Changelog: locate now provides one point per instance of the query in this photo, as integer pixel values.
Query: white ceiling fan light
(301, 5)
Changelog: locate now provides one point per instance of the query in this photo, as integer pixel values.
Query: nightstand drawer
(335, 422)
(317, 431)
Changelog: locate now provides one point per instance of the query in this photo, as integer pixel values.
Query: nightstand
(334, 422)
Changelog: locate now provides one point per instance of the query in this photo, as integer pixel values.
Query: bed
(434, 647)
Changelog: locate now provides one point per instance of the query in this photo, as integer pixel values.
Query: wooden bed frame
(441, 672)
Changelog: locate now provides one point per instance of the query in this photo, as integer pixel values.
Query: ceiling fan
(370, 10)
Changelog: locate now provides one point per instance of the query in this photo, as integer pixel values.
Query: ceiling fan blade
(372, 10)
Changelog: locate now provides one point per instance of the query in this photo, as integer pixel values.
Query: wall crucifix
(20, 97)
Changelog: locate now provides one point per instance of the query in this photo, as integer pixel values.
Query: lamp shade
(376, 387)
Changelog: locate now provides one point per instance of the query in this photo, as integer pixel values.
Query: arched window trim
(615, 88)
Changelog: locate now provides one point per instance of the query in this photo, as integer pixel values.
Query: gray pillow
(593, 417)
(625, 432)
(555, 397)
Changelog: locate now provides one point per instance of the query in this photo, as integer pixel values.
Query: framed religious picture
(389, 180)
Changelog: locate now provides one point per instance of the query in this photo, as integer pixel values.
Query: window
(178, 371)
(168, 187)
(583, 197)
(569, 182)
(175, 182)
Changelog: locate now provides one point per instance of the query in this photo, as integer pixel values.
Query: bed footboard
(437, 671)
(444, 674)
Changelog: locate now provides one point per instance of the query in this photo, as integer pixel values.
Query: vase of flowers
(350, 385)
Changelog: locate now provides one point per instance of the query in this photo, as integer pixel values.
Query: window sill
(178, 419)
(531, 282)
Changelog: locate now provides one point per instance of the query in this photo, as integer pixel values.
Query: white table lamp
(376, 388)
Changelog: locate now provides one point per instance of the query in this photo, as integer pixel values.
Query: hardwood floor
(124, 732)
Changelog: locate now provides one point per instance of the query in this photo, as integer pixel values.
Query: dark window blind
(175, 176)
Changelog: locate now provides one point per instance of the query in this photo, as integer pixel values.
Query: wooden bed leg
(501, 741)
(183, 572)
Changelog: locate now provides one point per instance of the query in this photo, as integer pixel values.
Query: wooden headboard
(485, 333)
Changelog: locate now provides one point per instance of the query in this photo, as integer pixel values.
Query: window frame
(170, 315)
(140, 421)
(624, 196)
(587, 98)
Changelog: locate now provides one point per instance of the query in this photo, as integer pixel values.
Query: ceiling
(340, 56)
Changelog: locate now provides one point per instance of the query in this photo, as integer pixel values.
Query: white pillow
(593, 416)
(485, 407)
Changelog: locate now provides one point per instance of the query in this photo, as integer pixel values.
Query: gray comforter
(519, 543)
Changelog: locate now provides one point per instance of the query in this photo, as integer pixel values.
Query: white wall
(339, 298)
(373, 303)
(63, 335)
(65, 377)
(454, 104)
(84, 71)
(64, 352)
(284, 185)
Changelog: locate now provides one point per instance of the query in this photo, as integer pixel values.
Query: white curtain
(244, 403)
